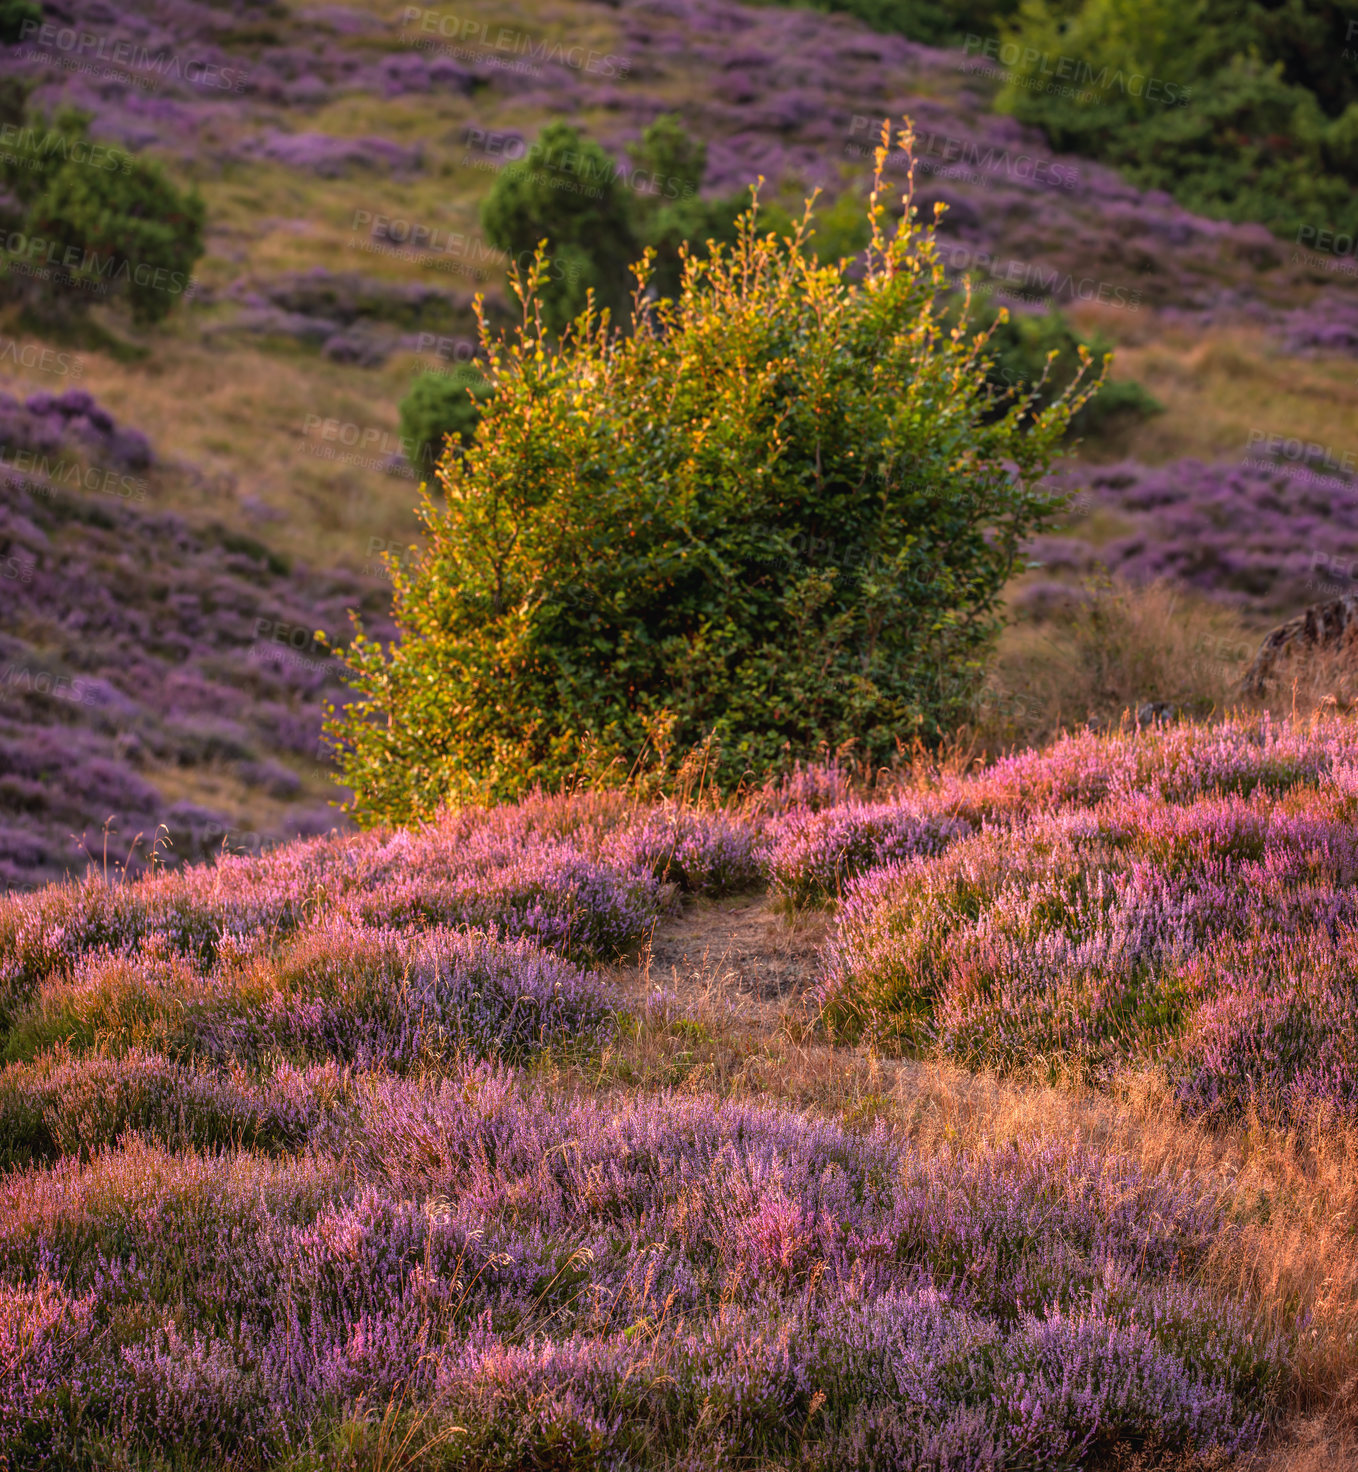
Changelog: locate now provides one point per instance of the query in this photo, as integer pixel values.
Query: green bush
(15, 15)
(597, 216)
(566, 191)
(1190, 98)
(439, 407)
(671, 214)
(109, 222)
(1044, 354)
(777, 516)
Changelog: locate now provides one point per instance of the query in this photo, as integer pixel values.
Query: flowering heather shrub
(496, 872)
(382, 998)
(43, 933)
(353, 994)
(1271, 537)
(1278, 1035)
(1178, 763)
(549, 891)
(814, 854)
(1141, 926)
(640, 1281)
(60, 1105)
(47, 423)
(810, 786)
(701, 851)
(104, 676)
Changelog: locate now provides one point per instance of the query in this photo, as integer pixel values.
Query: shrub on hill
(568, 193)
(95, 221)
(1043, 352)
(1223, 108)
(438, 409)
(779, 513)
(17, 17)
(596, 214)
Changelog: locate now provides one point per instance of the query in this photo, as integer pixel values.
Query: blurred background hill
(196, 483)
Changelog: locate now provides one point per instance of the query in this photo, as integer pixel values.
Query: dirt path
(740, 956)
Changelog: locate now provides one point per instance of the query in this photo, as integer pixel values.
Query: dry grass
(1217, 385)
(1123, 648)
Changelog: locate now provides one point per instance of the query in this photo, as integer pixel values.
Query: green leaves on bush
(596, 216)
(566, 191)
(1044, 354)
(439, 408)
(98, 221)
(933, 22)
(18, 19)
(1210, 102)
(779, 514)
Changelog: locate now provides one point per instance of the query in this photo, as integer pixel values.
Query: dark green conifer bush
(775, 516)
(98, 223)
(440, 407)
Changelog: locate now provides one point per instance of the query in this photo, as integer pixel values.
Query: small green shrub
(110, 224)
(438, 409)
(17, 19)
(776, 516)
(1043, 354)
(567, 192)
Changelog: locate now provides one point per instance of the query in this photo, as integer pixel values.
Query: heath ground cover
(324, 1158)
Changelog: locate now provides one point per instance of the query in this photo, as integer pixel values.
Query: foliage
(1196, 100)
(1043, 353)
(439, 408)
(15, 17)
(567, 192)
(266, 1164)
(102, 220)
(777, 516)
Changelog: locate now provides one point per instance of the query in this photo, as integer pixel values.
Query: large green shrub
(672, 216)
(778, 513)
(1211, 102)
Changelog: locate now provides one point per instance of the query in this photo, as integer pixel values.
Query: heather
(877, 1105)
(1183, 901)
(329, 1145)
(578, 1279)
(1257, 533)
(137, 641)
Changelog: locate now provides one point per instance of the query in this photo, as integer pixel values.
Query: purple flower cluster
(48, 423)
(700, 850)
(620, 1283)
(1186, 896)
(1263, 536)
(814, 854)
(135, 641)
(267, 1175)
(542, 888)
(488, 872)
